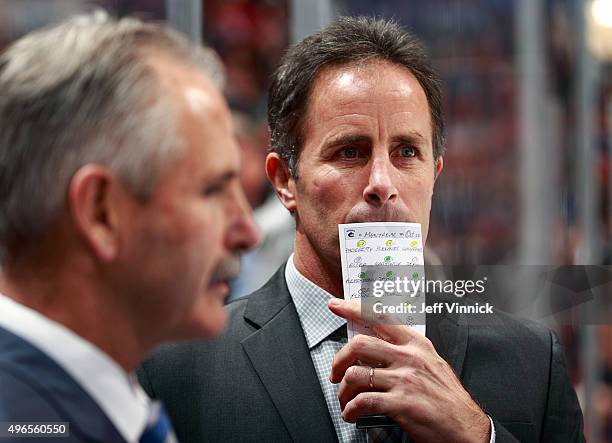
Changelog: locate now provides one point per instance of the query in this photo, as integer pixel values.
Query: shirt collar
(116, 392)
(310, 301)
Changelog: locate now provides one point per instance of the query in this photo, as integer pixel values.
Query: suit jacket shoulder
(516, 370)
(13, 390)
(34, 388)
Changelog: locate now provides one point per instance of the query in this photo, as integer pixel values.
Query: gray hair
(80, 92)
(346, 41)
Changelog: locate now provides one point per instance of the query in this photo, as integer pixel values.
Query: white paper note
(382, 251)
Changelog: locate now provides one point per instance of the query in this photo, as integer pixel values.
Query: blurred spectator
(250, 36)
(275, 223)
(253, 140)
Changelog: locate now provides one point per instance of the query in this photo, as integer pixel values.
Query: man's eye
(213, 189)
(408, 152)
(349, 153)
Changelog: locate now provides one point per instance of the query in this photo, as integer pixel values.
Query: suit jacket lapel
(449, 335)
(279, 354)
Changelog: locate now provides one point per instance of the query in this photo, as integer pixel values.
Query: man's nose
(380, 189)
(243, 234)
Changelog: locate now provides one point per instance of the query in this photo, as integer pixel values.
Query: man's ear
(439, 166)
(92, 209)
(282, 181)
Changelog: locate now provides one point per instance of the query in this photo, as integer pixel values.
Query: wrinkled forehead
(367, 77)
(376, 88)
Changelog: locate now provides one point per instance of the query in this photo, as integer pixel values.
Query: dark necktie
(387, 435)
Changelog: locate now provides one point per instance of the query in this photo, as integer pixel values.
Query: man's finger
(358, 379)
(390, 331)
(361, 349)
(366, 403)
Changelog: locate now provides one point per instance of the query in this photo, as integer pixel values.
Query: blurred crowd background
(528, 104)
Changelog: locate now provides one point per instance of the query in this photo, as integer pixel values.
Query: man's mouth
(222, 287)
(361, 214)
(224, 273)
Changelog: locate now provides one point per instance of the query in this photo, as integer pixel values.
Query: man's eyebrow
(410, 138)
(346, 139)
(223, 178)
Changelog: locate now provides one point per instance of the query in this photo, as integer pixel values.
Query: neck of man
(326, 274)
(68, 297)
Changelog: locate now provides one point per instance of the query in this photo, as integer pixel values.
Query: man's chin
(204, 328)
(206, 320)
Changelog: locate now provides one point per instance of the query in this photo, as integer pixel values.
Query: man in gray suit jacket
(357, 136)
(121, 217)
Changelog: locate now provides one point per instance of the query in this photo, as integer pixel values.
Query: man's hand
(412, 384)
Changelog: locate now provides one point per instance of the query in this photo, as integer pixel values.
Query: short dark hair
(345, 41)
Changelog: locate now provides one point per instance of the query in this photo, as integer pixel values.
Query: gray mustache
(228, 269)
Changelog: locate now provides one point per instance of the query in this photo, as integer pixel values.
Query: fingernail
(335, 301)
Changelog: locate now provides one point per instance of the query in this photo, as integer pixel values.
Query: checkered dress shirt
(326, 335)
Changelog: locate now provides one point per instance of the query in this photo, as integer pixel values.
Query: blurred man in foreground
(121, 219)
(357, 136)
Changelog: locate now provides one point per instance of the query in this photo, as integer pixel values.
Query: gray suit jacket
(257, 381)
